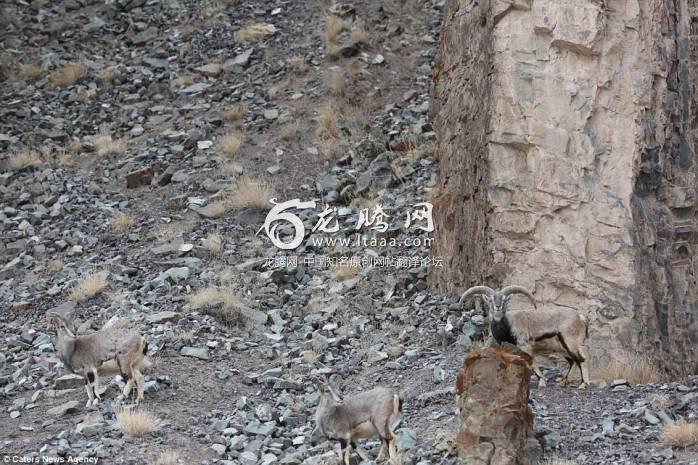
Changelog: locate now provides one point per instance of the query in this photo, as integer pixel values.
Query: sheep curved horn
(519, 290)
(476, 290)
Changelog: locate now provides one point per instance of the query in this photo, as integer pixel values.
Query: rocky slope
(127, 105)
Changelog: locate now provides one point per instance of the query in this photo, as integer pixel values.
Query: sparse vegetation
(55, 265)
(168, 458)
(556, 461)
(310, 356)
(298, 64)
(638, 371)
(359, 35)
(680, 434)
(333, 28)
(24, 159)
(105, 75)
(88, 287)
(330, 147)
(251, 193)
(218, 302)
(135, 421)
(236, 112)
(291, 130)
(31, 71)
(68, 75)
(230, 144)
(122, 221)
(328, 120)
(348, 270)
(214, 244)
(254, 32)
(336, 83)
(105, 145)
(184, 79)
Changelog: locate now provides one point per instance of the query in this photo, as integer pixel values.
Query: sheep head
(497, 300)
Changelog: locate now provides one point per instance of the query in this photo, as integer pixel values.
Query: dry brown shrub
(254, 32)
(31, 71)
(122, 221)
(106, 145)
(68, 75)
(230, 144)
(680, 434)
(638, 371)
(218, 302)
(236, 112)
(251, 193)
(88, 287)
(298, 64)
(135, 421)
(24, 159)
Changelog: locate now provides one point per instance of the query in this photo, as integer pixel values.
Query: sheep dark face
(497, 303)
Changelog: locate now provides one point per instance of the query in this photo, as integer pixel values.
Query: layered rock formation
(568, 163)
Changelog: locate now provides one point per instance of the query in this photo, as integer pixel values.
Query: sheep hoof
(564, 383)
(583, 386)
(542, 383)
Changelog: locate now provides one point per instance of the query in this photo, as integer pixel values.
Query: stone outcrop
(496, 421)
(568, 164)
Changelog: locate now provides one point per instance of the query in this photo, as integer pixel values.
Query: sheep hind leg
(359, 450)
(583, 369)
(395, 459)
(383, 449)
(89, 379)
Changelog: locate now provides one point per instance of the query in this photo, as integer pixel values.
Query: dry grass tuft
(168, 458)
(122, 221)
(336, 83)
(55, 265)
(230, 144)
(214, 244)
(680, 434)
(68, 75)
(291, 130)
(333, 28)
(328, 120)
(135, 422)
(31, 71)
(105, 76)
(251, 193)
(106, 145)
(218, 302)
(346, 271)
(254, 32)
(298, 64)
(556, 461)
(310, 356)
(236, 112)
(184, 80)
(24, 159)
(359, 35)
(330, 148)
(88, 287)
(636, 371)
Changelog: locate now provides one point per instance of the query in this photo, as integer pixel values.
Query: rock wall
(586, 144)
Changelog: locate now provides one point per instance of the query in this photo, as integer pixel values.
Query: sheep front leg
(95, 388)
(584, 369)
(140, 384)
(346, 451)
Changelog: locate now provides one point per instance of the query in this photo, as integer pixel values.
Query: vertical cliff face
(575, 174)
